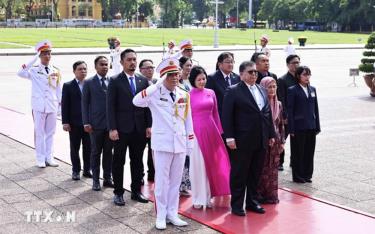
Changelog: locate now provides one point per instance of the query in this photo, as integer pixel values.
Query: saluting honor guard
(171, 138)
(45, 101)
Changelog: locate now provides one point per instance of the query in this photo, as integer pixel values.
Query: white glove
(32, 62)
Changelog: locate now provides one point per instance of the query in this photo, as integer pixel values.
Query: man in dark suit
(263, 66)
(95, 122)
(283, 83)
(128, 126)
(248, 128)
(147, 69)
(72, 121)
(224, 77)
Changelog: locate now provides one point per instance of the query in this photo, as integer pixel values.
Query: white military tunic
(171, 139)
(115, 56)
(45, 103)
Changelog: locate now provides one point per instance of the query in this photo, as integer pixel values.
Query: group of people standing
(216, 135)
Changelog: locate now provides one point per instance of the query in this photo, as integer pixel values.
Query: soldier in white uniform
(115, 55)
(45, 101)
(171, 138)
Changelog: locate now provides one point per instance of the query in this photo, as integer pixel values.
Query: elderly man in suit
(172, 138)
(128, 126)
(224, 77)
(248, 128)
(71, 112)
(45, 101)
(94, 95)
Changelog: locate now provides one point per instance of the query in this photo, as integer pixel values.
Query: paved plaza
(344, 171)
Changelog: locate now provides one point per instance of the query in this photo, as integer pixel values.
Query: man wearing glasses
(147, 69)
(283, 83)
(248, 130)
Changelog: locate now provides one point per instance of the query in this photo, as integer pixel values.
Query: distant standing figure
(289, 49)
(264, 39)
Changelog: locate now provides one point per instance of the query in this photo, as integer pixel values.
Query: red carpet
(296, 212)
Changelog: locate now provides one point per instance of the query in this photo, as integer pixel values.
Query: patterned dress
(268, 183)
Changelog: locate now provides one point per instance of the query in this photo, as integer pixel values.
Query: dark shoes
(142, 182)
(280, 168)
(96, 186)
(108, 183)
(87, 174)
(308, 180)
(254, 206)
(75, 176)
(150, 178)
(118, 200)
(238, 212)
(299, 180)
(139, 197)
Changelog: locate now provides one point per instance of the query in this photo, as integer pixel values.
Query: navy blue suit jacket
(71, 104)
(217, 83)
(303, 112)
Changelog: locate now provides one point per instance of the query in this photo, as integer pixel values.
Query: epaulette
(182, 89)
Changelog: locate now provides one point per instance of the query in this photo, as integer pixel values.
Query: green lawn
(94, 37)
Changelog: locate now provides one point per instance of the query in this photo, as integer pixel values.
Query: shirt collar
(127, 75)
(225, 75)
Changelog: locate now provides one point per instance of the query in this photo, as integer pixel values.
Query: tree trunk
(8, 9)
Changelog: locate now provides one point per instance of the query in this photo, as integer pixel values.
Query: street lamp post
(250, 9)
(51, 11)
(216, 36)
(237, 15)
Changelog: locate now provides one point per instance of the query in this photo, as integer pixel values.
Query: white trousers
(44, 129)
(168, 175)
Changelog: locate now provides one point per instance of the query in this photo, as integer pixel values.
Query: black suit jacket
(283, 83)
(122, 114)
(244, 121)
(217, 83)
(261, 76)
(303, 112)
(94, 104)
(71, 104)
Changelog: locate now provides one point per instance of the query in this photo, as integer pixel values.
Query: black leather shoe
(87, 174)
(108, 184)
(280, 168)
(240, 212)
(139, 197)
(256, 208)
(75, 176)
(308, 180)
(150, 178)
(118, 200)
(96, 186)
(142, 182)
(299, 180)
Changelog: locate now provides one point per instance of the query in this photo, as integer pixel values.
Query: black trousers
(246, 168)
(150, 162)
(100, 143)
(136, 143)
(77, 135)
(302, 147)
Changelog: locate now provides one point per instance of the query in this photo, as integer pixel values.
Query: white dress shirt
(135, 85)
(257, 95)
(305, 90)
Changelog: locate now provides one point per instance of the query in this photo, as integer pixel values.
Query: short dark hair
(195, 72)
(291, 57)
(143, 61)
(76, 64)
(125, 52)
(183, 60)
(259, 55)
(223, 56)
(255, 56)
(300, 70)
(246, 64)
(98, 58)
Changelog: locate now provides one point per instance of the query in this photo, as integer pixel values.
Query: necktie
(172, 96)
(104, 86)
(47, 70)
(132, 86)
(227, 80)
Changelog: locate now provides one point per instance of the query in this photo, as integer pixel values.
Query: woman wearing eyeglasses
(304, 125)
